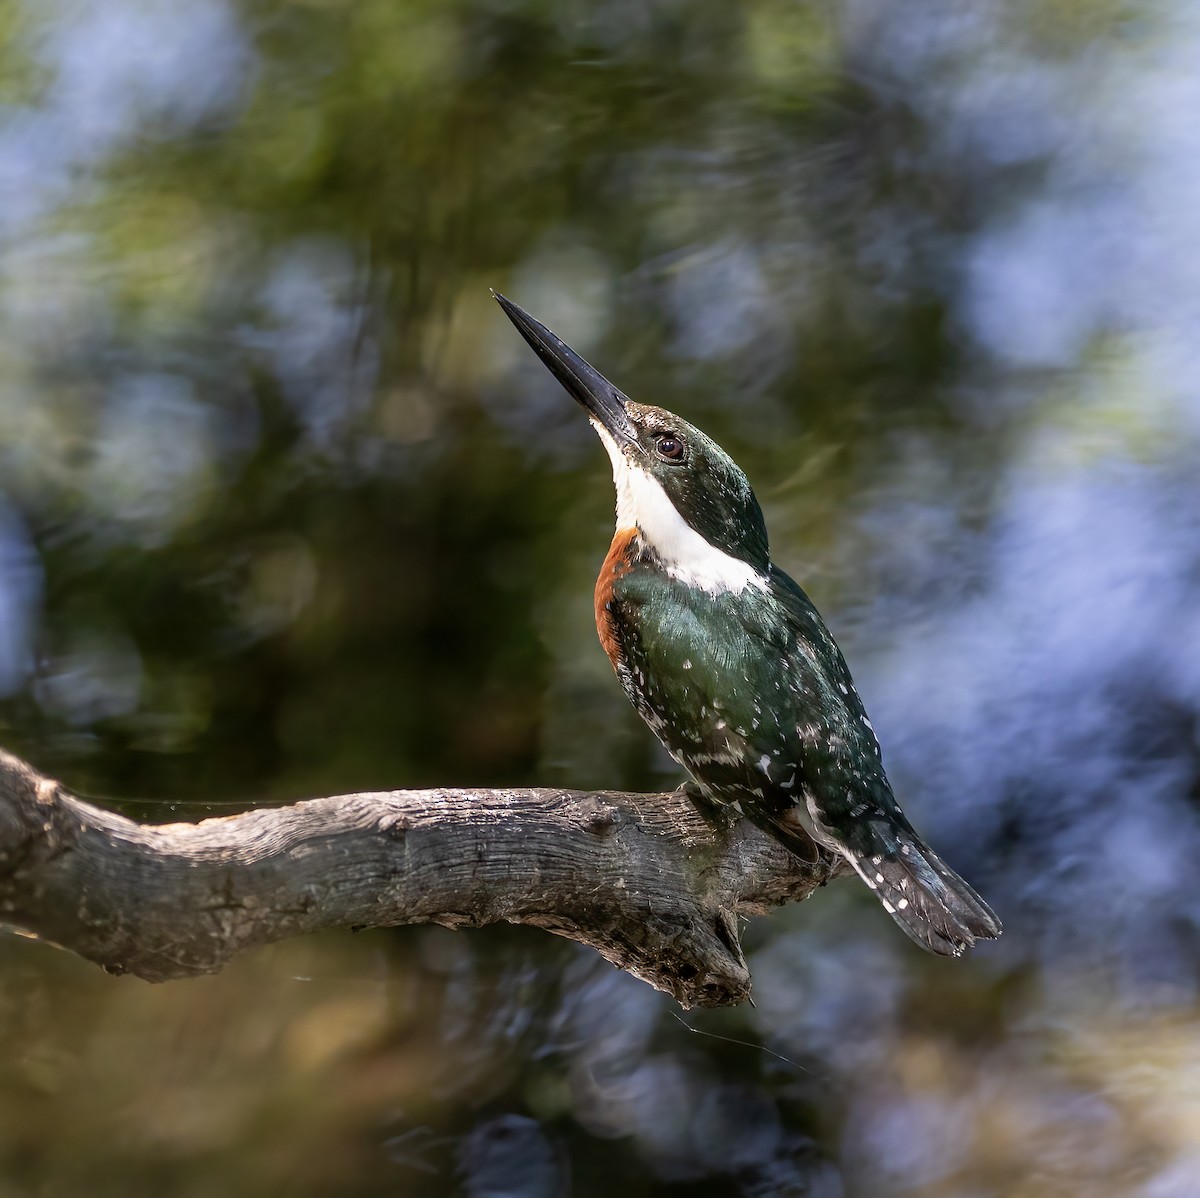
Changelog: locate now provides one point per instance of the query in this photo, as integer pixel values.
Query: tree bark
(654, 882)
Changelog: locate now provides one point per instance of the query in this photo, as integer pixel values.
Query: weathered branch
(647, 879)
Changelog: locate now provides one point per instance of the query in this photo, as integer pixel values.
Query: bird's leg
(720, 815)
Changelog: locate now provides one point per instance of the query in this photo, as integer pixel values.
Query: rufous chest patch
(618, 563)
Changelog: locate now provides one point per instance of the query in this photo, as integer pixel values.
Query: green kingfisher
(732, 667)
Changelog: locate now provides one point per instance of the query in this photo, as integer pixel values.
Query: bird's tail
(933, 905)
(937, 909)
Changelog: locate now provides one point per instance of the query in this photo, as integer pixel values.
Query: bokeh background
(287, 508)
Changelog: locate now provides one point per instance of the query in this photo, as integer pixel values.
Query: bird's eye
(669, 446)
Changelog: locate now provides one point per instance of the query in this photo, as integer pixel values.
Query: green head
(687, 497)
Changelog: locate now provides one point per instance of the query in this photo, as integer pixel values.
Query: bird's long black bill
(597, 395)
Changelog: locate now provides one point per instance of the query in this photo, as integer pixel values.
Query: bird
(727, 660)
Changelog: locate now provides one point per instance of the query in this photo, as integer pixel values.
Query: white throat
(684, 553)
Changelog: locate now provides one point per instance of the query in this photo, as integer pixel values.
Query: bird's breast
(618, 563)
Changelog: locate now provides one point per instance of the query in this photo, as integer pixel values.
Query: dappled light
(287, 508)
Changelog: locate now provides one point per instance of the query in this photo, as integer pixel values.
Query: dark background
(287, 508)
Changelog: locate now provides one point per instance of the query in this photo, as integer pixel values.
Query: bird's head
(691, 504)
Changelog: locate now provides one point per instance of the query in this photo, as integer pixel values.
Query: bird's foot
(720, 815)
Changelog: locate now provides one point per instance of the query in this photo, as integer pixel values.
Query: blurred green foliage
(286, 508)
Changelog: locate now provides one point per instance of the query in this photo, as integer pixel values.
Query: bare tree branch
(649, 880)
